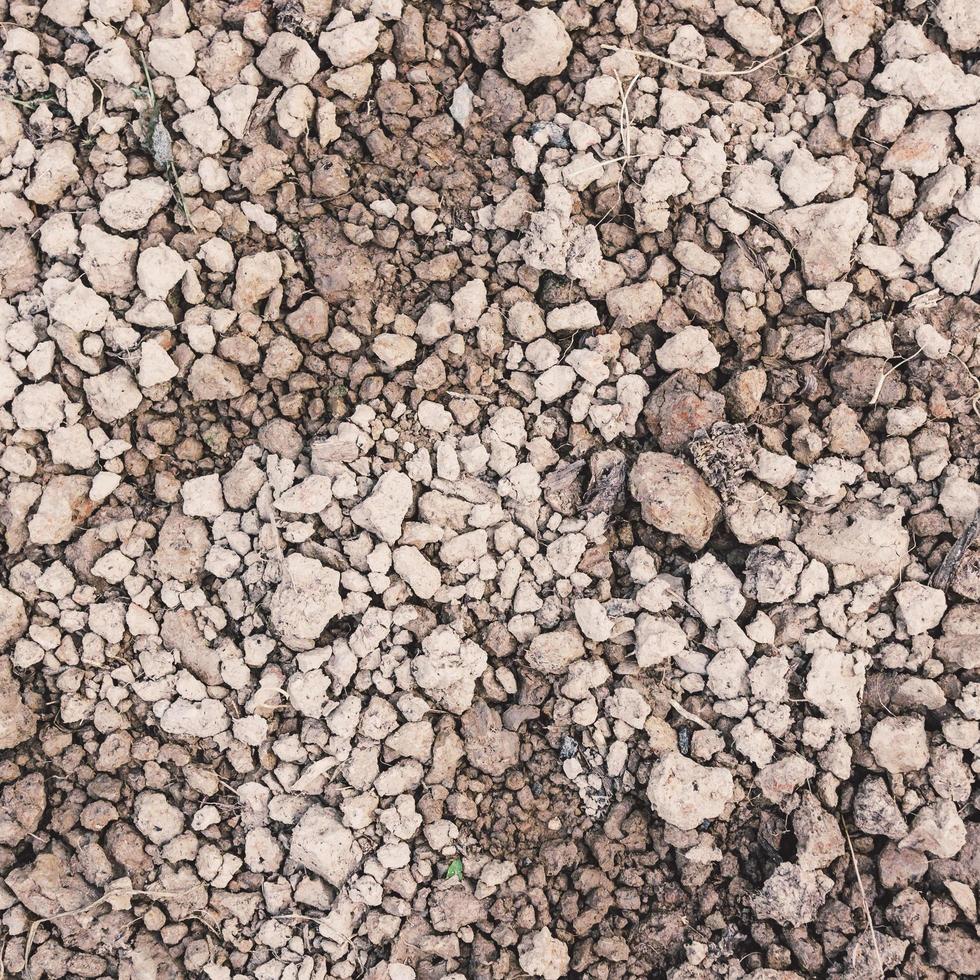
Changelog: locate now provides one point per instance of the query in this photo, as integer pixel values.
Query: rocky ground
(489, 489)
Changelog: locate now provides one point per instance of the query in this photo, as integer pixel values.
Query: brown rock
(674, 498)
(909, 914)
(453, 906)
(331, 177)
(341, 270)
(959, 645)
(18, 264)
(48, 888)
(554, 653)
(181, 548)
(310, 320)
(218, 66)
(680, 407)
(489, 747)
(262, 169)
(212, 379)
(792, 895)
(818, 835)
(954, 950)
(13, 617)
(21, 806)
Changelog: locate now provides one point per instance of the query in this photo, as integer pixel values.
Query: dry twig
(727, 72)
(106, 896)
(864, 902)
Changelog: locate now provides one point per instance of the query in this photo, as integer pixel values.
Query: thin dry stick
(684, 713)
(321, 922)
(625, 135)
(625, 120)
(943, 575)
(728, 72)
(890, 371)
(174, 180)
(181, 200)
(864, 900)
(975, 402)
(105, 897)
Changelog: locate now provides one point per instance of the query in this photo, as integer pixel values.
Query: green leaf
(455, 869)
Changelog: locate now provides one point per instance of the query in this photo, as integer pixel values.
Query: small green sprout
(455, 869)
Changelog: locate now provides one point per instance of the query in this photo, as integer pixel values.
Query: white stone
(54, 172)
(63, 505)
(295, 109)
(690, 350)
(922, 608)
(469, 302)
(685, 794)
(200, 719)
(540, 954)
(448, 668)
(113, 62)
(849, 25)
(803, 178)
(957, 270)
(158, 270)
(554, 383)
(112, 395)
(752, 31)
(235, 106)
(418, 573)
(202, 497)
(834, 681)
(305, 601)
(715, 591)
(592, 619)
(929, 82)
(40, 406)
(384, 509)
(322, 844)
(658, 639)
(256, 276)
(156, 818)
(288, 59)
(554, 652)
(131, 207)
(202, 130)
(900, 744)
(310, 496)
(753, 187)
(350, 44)
(394, 350)
(173, 56)
(960, 19)
(218, 255)
(80, 308)
(679, 108)
(536, 45)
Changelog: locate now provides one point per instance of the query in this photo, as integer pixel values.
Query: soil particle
(489, 490)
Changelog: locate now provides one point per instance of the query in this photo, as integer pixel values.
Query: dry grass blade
(864, 902)
(975, 401)
(728, 72)
(886, 374)
(107, 896)
(684, 713)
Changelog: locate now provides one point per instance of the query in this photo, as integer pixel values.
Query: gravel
(489, 490)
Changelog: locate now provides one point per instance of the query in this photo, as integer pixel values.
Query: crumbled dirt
(489, 489)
